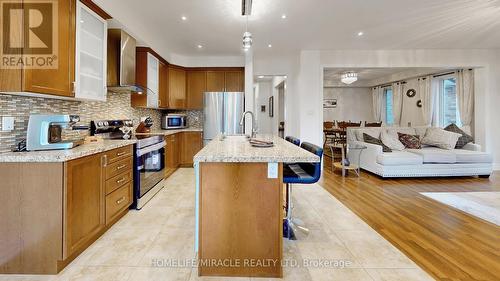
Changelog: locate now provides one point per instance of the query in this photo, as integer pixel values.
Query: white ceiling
(310, 24)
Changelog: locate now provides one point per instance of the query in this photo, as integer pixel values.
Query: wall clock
(411, 93)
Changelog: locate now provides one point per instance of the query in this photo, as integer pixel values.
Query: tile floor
(164, 229)
(484, 205)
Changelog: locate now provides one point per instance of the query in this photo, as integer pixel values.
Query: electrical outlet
(7, 123)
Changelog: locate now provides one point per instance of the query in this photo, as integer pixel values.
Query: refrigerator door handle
(223, 122)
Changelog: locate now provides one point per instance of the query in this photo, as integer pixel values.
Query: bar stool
(302, 173)
(293, 140)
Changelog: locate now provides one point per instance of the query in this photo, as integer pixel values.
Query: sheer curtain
(378, 103)
(465, 97)
(428, 100)
(397, 102)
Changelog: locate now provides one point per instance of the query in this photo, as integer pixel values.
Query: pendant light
(247, 38)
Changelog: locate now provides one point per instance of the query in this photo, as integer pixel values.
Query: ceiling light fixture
(184, 18)
(269, 46)
(261, 76)
(246, 7)
(200, 46)
(283, 16)
(360, 33)
(349, 77)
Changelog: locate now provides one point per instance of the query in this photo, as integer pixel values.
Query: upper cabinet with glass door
(91, 40)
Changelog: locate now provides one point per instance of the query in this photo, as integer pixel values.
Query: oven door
(150, 166)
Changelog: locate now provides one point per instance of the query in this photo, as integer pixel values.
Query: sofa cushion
(396, 158)
(440, 138)
(402, 130)
(469, 156)
(463, 139)
(373, 132)
(435, 155)
(391, 140)
(369, 139)
(410, 141)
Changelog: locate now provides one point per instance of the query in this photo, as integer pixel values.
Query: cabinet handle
(104, 160)
(73, 86)
(121, 180)
(119, 201)
(121, 167)
(121, 153)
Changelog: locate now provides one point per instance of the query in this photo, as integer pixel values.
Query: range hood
(121, 62)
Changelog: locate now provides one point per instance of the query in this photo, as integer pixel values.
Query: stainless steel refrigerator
(222, 113)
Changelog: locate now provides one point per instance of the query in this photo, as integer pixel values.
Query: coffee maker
(45, 132)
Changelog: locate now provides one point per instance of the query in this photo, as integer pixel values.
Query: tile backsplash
(117, 106)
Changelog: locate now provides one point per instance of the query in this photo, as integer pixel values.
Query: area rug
(484, 205)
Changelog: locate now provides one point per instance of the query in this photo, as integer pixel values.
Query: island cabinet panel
(31, 217)
(84, 202)
(241, 219)
(191, 143)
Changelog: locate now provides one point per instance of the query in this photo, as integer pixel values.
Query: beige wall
(352, 104)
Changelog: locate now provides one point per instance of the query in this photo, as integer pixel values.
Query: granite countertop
(240, 150)
(64, 155)
(169, 132)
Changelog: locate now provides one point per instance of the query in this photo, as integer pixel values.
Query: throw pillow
(441, 138)
(410, 141)
(373, 132)
(391, 140)
(369, 139)
(464, 139)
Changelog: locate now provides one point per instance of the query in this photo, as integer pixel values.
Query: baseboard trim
(496, 166)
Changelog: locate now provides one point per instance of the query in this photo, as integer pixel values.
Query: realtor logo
(28, 34)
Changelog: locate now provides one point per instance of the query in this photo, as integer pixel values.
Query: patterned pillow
(369, 139)
(410, 141)
(463, 140)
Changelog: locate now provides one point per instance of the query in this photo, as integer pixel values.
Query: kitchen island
(239, 201)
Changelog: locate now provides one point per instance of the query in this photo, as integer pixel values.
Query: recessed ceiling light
(184, 18)
(283, 16)
(261, 76)
(200, 46)
(270, 46)
(360, 33)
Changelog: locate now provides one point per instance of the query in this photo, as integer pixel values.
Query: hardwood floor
(448, 243)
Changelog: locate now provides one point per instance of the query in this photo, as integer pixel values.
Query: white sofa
(425, 162)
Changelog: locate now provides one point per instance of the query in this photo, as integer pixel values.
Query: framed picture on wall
(329, 103)
(271, 107)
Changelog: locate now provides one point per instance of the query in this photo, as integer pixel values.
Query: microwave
(173, 121)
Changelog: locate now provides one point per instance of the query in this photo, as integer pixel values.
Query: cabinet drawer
(117, 168)
(113, 183)
(118, 154)
(118, 201)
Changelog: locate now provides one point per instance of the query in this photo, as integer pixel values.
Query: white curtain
(378, 103)
(428, 100)
(397, 102)
(465, 97)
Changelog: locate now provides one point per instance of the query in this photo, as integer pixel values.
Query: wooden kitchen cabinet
(176, 87)
(171, 154)
(191, 143)
(196, 86)
(234, 81)
(215, 81)
(163, 99)
(58, 81)
(53, 211)
(84, 208)
(225, 81)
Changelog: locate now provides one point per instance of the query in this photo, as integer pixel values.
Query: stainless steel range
(149, 157)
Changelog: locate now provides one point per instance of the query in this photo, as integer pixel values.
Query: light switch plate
(7, 123)
(272, 170)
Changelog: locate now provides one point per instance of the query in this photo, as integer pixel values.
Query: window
(448, 106)
(389, 117)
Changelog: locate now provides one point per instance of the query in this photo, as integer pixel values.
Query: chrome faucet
(242, 120)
